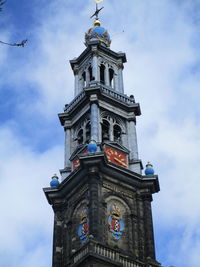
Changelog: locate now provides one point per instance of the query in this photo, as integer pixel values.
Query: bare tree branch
(15, 44)
(2, 2)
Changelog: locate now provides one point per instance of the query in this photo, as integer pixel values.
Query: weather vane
(96, 13)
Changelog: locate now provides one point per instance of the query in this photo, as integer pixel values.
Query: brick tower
(102, 206)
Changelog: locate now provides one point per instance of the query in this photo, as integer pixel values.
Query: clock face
(76, 163)
(115, 156)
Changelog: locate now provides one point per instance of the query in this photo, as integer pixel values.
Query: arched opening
(84, 79)
(105, 130)
(117, 133)
(87, 132)
(90, 73)
(102, 74)
(80, 137)
(111, 76)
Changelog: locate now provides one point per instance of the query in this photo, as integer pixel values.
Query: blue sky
(161, 40)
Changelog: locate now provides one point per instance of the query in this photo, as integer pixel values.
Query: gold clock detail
(115, 156)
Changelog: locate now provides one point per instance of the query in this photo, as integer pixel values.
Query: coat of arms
(116, 225)
(83, 228)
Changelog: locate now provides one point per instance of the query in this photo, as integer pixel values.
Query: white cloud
(27, 216)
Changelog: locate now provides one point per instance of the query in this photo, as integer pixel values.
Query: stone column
(94, 203)
(57, 239)
(67, 146)
(120, 78)
(111, 132)
(80, 83)
(76, 81)
(134, 163)
(116, 82)
(95, 70)
(140, 227)
(87, 77)
(107, 79)
(94, 120)
(132, 139)
(149, 236)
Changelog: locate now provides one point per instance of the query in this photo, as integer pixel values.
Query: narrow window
(80, 137)
(87, 132)
(105, 130)
(111, 76)
(84, 79)
(90, 73)
(117, 133)
(102, 74)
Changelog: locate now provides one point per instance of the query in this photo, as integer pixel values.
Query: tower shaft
(102, 207)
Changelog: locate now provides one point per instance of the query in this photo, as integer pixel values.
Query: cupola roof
(97, 32)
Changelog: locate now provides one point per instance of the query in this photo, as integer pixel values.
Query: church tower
(102, 207)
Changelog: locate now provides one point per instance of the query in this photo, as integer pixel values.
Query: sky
(161, 40)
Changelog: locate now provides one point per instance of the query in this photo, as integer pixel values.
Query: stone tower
(102, 206)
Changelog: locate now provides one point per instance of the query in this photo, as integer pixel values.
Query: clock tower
(102, 207)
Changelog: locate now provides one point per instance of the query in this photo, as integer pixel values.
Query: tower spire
(96, 13)
(102, 206)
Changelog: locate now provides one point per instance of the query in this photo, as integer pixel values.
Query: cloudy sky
(161, 39)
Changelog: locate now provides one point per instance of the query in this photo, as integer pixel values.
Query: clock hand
(122, 163)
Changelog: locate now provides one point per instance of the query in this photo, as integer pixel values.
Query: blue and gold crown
(99, 33)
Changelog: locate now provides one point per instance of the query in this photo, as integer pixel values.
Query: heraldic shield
(83, 228)
(116, 225)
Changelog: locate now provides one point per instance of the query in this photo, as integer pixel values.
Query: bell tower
(102, 207)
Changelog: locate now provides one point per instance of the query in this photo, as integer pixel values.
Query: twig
(15, 44)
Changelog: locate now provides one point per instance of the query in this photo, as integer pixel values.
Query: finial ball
(97, 23)
(149, 169)
(54, 182)
(92, 146)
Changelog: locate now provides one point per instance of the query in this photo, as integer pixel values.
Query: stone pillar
(95, 71)
(111, 132)
(95, 118)
(67, 146)
(132, 139)
(76, 81)
(57, 239)
(107, 79)
(116, 82)
(94, 203)
(87, 77)
(149, 236)
(140, 227)
(80, 83)
(135, 235)
(120, 78)
(135, 164)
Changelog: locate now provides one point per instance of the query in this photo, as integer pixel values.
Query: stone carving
(83, 228)
(116, 224)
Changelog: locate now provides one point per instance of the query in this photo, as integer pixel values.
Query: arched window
(80, 137)
(84, 79)
(105, 130)
(102, 74)
(111, 76)
(90, 73)
(117, 133)
(112, 128)
(83, 132)
(87, 132)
